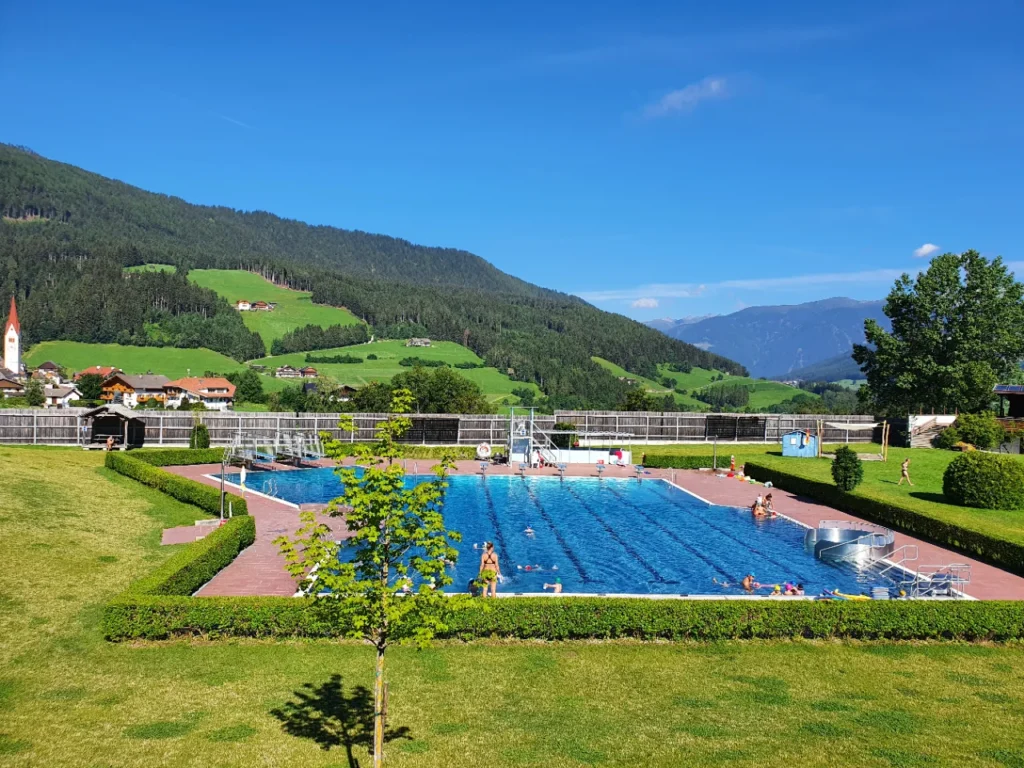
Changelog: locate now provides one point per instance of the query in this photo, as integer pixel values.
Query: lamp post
(222, 470)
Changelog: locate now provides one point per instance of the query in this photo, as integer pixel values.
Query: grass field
(171, 362)
(294, 308)
(763, 393)
(495, 384)
(72, 540)
(926, 468)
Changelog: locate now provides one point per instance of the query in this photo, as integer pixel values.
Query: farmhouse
(242, 305)
(287, 372)
(49, 371)
(61, 396)
(261, 306)
(216, 393)
(418, 343)
(134, 390)
(106, 371)
(9, 385)
(309, 372)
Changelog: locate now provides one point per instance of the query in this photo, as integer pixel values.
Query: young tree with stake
(386, 586)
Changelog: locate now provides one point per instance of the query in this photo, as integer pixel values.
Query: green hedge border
(997, 552)
(138, 466)
(672, 461)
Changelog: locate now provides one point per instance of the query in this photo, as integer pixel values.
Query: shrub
(986, 480)
(178, 457)
(671, 461)
(564, 441)
(371, 356)
(980, 429)
(199, 437)
(847, 471)
(181, 488)
(948, 439)
(141, 614)
(999, 552)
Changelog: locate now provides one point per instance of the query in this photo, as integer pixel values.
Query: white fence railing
(172, 428)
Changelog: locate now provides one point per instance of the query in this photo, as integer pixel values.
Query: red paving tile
(259, 570)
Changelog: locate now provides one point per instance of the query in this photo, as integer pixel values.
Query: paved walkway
(259, 570)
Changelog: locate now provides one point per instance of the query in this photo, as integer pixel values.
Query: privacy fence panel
(171, 428)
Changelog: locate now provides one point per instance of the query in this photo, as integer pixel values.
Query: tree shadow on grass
(332, 718)
(936, 498)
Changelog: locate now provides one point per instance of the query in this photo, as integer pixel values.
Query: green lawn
(170, 361)
(763, 393)
(926, 468)
(70, 540)
(294, 308)
(495, 384)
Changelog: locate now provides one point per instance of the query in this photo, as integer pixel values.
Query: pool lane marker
(558, 535)
(672, 535)
(493, 515)
(611, 532)
(785, 567)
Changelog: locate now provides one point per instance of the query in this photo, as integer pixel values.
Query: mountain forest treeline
(66, 234)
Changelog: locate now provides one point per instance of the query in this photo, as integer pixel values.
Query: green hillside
(171, 362)
(294, 308)
(763, 394)
(495, 384)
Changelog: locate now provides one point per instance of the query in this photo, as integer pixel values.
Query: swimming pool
(607, 536)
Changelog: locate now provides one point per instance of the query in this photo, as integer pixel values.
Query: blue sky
(659, 159)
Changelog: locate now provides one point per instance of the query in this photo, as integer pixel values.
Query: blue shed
(800, 443)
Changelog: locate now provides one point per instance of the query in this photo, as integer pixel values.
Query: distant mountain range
(780, 341)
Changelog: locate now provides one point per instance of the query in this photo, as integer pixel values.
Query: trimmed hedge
(985, 480)
(424, 451)
(998, 552)
(151, 617)
(178, 457)
(205, 497)
(671, 461)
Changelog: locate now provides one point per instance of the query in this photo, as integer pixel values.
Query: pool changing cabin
(800, 443)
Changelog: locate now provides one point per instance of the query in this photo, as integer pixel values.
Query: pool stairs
(848, 541)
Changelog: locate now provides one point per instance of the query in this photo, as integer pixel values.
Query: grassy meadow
(152, 268)
(495, 384)
(170, 361)
(294, 308)
(71, 541)
(763, 394)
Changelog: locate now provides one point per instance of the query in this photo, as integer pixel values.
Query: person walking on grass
(905, 472)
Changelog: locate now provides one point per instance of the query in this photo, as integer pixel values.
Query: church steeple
(12, 341)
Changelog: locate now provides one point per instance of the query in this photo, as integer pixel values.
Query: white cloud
(691, 290)
(925, 250)
(686, 99)
(645, 303)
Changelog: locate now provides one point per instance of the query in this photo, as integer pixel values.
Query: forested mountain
(66, 233)
(774, 341)
(833, 369)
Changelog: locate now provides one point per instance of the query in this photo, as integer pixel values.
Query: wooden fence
(171, 428)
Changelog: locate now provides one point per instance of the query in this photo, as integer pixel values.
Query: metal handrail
(857, 524)
(905, 550)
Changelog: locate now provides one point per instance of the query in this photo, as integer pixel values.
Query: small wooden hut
(123, 424)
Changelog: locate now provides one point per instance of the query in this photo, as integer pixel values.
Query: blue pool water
(603, 536)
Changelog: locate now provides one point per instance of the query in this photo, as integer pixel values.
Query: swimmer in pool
(556, 587)
(749, 584)
(529, 531)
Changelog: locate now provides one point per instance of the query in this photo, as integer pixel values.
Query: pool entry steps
(847, 541)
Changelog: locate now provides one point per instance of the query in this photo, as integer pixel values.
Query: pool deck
(259, 570)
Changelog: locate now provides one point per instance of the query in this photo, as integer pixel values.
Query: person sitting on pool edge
(769, 506)
(490, 570)
(556, 587)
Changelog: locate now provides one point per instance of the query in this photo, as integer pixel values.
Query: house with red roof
(214, 392)
(105, 371)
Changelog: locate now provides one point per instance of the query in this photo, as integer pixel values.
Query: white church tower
(12, 341)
